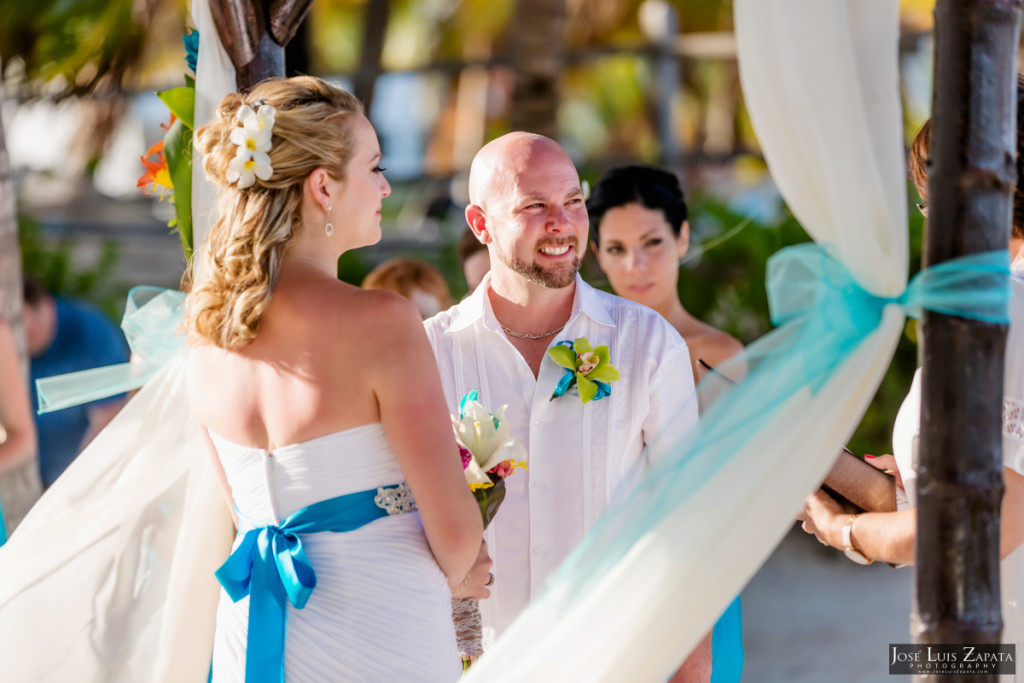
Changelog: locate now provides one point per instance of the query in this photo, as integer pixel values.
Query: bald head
(527, 206)
(501, 161)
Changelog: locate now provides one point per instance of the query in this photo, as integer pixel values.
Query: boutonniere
(586, 367)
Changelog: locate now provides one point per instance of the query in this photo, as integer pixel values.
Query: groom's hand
(479, 576)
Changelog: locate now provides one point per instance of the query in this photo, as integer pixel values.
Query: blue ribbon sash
(270, 565)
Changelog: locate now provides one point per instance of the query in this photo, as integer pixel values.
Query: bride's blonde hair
(311, 130)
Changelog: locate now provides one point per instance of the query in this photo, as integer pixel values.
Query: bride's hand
(474, 585)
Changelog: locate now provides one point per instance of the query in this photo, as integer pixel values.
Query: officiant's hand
(886, 463)
(478, 578)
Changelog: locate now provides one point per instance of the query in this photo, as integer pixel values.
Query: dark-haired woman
(322, 406)
(640, 232)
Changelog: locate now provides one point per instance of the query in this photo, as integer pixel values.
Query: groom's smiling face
(536, 214)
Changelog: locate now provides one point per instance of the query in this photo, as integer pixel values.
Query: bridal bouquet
(489, 455)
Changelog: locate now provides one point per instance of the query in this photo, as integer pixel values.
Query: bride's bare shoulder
(345, 312)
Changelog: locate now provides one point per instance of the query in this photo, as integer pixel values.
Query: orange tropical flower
(157, 175)
(167, 126)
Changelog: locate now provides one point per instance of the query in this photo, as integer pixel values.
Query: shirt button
(538, 552)
(539, 485)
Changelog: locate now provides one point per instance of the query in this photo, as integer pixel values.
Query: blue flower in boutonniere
(586, 367)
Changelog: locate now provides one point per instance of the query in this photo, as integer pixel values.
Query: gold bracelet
(848, 548)
(462, 586)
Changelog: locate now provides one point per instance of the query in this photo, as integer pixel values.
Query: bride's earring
(329, 228)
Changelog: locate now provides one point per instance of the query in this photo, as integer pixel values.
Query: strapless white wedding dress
(381, 609)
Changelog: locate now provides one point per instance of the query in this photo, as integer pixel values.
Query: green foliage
(178, 152)
(724, 285)
(80, 41)
(182, 102)
(51, 264)
(352, 268)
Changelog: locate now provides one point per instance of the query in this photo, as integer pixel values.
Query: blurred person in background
(639, 229)
(67, 336)
(17, 430)
(473, 258)
(416, 280)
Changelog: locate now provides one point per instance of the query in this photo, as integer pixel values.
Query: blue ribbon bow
(569, 380)
(270, 565)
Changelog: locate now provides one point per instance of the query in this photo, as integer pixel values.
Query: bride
(321, 407)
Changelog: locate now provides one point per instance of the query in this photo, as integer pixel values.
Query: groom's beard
(534, 272)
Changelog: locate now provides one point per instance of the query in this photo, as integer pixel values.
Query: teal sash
(270, 564)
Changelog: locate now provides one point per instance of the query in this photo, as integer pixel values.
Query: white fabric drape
(110, 576)
(215, 78)
(821, 85)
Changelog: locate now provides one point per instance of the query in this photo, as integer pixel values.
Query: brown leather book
(857, 484)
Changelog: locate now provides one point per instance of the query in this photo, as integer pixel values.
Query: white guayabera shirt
(579, 455)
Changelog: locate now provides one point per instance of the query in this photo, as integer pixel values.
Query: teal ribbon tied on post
(270, 565)
(152, 318)
(810, 288)
(823, 315)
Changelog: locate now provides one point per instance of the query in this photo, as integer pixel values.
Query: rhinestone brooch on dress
(395, 499)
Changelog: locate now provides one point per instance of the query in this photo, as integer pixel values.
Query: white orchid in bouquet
(489, 455)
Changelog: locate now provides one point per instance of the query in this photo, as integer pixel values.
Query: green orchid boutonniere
(586, 367)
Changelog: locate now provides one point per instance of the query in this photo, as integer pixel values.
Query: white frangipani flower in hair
(253, 138)
(246, 167)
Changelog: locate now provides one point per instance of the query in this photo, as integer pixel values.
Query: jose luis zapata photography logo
(907, 658)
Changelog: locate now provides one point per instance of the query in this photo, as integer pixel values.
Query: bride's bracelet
(462, 586)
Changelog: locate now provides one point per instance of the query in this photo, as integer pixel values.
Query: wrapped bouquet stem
(489, 455)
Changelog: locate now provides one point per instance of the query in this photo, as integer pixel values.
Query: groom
(527, 206)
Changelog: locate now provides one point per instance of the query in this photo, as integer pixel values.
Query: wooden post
(375, 25)
(254, 33)
(971, 179)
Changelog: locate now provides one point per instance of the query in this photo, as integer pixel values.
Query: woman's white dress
(381, 609)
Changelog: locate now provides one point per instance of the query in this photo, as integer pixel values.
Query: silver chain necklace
(522, 335)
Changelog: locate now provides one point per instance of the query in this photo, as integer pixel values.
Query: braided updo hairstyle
(312, 129)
